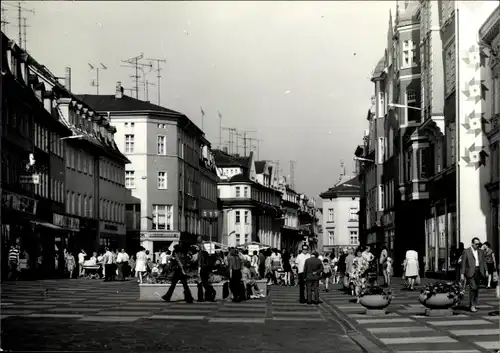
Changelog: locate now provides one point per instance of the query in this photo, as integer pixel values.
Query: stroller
(92, 271)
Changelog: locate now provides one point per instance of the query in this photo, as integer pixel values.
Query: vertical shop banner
(473, 152)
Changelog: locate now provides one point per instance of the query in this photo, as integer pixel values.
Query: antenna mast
(158, 75)
(136, 65)
(220, 129)
(20, 22)
(4, 18)
(97, 69)
(245, 140)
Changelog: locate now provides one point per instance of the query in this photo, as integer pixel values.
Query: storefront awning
(45, 224)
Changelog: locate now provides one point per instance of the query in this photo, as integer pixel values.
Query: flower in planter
(376, 290)
(453, 290)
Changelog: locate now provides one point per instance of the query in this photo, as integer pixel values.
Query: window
(162, 145)
(132, 125)
(354, 238)
(90, 209)
(245, 191)
(390, 143)
(162, 217)
(247, 217)
(409, 54)
(162, 180)
(353, 214)
(238, 191)
(449, 67)
(411, 96)
(247, 238)
(330, 215)
(381, 150)
(130, 179)
(381, 104)
(129, 143)
(331, 237)
(237, 217)
(238, 239)
(381, 197)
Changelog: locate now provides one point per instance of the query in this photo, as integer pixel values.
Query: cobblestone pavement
(406, 328)
(87, 315)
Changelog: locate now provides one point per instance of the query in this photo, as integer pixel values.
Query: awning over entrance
(45, 224)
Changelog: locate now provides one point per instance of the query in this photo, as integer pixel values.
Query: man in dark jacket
(341, 267)
(313, 269)
(234, 266)
(205, 267)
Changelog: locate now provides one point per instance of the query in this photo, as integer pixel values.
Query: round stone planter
(375, 302)
(438, 301)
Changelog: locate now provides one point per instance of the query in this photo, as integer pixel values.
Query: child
(327, 273)
(249, 281)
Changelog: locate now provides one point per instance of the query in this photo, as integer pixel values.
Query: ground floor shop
(112, 235)
(156, 241)
(291, 239)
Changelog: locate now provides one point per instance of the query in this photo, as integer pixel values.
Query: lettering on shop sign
(111, 227)
(174, 235)
(66, 221)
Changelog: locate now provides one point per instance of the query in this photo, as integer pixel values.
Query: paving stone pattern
(69, 315)
(406, 328)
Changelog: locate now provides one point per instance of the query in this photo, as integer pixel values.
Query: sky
(296, 74)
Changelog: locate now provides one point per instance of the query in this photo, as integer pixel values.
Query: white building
(340, 217)
(251, 210)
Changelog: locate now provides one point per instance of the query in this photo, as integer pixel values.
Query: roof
(109, 103)
(409, 15)
(225, 160)
(242, 178)
(259, 167)
(379, 68)
(349, 188)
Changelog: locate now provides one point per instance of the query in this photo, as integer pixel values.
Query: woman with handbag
(411, 268)
(491, 264)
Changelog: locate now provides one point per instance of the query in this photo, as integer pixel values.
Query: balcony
(414, 190)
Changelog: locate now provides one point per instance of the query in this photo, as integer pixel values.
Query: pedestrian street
(406, 328)
(73, 311)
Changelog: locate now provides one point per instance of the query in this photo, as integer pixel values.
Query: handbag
(495, 277)
(417, 280)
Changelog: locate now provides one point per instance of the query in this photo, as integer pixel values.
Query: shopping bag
(417, 280)
(495, 277)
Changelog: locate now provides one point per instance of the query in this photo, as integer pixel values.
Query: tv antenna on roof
(95, 83)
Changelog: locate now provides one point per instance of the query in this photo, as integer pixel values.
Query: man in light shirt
(81, 261)
(473, 269)
(121, 264)
(300, 262)
(108, 265)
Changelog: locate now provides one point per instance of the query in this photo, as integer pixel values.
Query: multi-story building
(340, 216)
(290, 205)
(170, 168)
(48, 163)
(438, 197)
(251, 210)
(489, 35)
(309, 224)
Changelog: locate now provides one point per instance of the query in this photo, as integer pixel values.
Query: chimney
(119, 90)
(67, 78)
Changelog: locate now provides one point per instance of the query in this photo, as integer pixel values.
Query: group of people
(110, 264)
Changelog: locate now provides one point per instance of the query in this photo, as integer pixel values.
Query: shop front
(155, 241)
(112, 235)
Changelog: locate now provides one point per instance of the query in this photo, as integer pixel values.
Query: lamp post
(211, 216)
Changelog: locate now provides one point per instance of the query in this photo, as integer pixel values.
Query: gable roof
(260, 166)
(349, 188)
(226, 160)
(109, 103)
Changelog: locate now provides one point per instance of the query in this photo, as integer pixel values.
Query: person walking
(205, 268)
(81, 261)
(313, 270)
(411, 268)
(491, 263)
(473, 270)
(262, 264)
(140, 263)
(108, 265)
(179, 264)
(382, 263)
(349, 260)
(300, 262)
(119, 266)
(13, 262)
(287, 268)
(70, 263)
(234, 266)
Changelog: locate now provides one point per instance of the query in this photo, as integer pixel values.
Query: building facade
(489, 35)
(55, 183)
(440, 151)
(170, 170)
(251, 210)
(340, 217)
(290, 205)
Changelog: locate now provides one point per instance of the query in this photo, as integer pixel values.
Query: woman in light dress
(358, 272)
(140, 263)
(70, 263)
(411, 268)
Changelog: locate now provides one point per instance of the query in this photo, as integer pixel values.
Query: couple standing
(310, 269)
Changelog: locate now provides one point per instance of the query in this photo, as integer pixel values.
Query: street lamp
(363, 159)
(211, 216)
(403, 106)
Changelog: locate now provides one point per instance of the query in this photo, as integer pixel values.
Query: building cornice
(491, 27)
